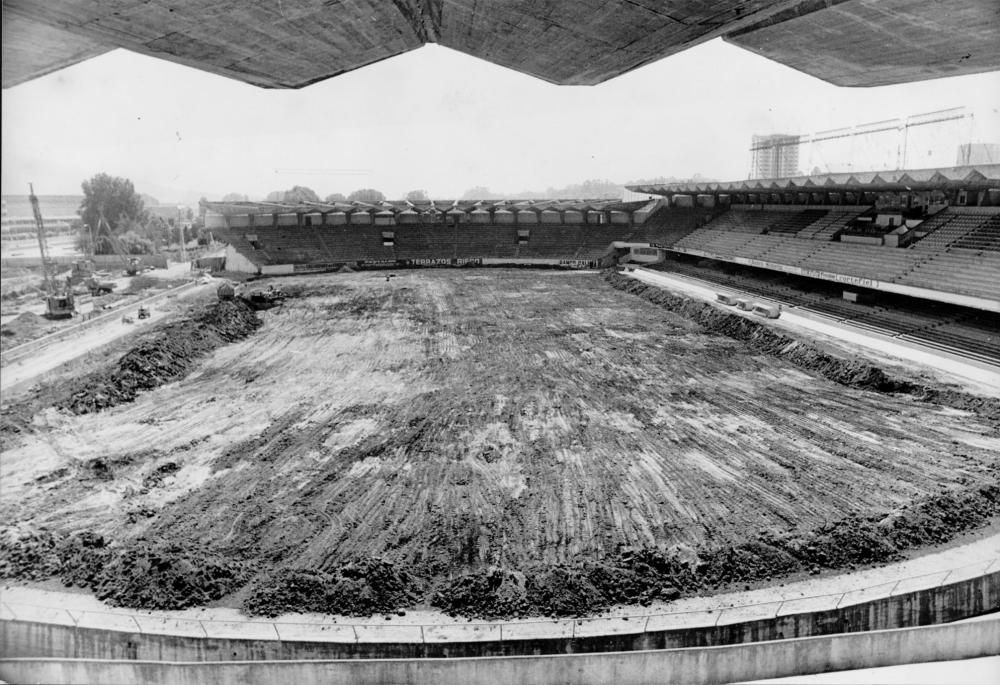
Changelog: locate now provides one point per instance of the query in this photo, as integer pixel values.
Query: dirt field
(491, 420)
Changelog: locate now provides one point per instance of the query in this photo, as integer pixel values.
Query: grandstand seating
(986, 236)
(793, 222)
(958, 270)
(968, 271)
(956, 329)
(749, 221)
(827, 227)
(953, 225)
(666, 226)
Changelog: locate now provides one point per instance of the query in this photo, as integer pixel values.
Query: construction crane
(131, 264)
(58, 300)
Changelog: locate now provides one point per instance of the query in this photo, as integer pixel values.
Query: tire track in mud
(449, 424)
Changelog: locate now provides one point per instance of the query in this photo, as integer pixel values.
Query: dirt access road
(455, 419)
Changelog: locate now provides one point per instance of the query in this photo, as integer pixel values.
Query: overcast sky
(440, 120)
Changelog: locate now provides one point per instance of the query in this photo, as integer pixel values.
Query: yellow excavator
(59, 302)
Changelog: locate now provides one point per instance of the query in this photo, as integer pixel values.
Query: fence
(423, 633)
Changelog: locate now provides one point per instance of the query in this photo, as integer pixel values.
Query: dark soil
(361, 588)
(854, 373)
(643, 575)
(169, 352)
(138, 574)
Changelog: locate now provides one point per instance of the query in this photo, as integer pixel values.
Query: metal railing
(166, 623)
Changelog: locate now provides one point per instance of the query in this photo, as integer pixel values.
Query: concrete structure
(962, 185)
(774, 156)
(577, 42)
(751, 648)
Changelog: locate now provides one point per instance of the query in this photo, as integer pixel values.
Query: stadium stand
(830, 226)
(986, 236)
(959, 330)
(930, 263)
(953, 225)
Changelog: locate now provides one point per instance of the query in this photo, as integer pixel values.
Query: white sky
(442, 121)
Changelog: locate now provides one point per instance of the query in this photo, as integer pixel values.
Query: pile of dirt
(854, 373)
(167, 576)
(360, 588)
(158, 575)
(139, 574)
(640, 576)
(168, 354)
(26, 326)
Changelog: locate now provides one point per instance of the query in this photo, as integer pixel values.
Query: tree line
(111, 204)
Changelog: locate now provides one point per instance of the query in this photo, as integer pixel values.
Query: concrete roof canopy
(294, 43)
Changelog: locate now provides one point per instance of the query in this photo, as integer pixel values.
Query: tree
(116, 197)
(366, 195)
(417, 196)
(235, 197)
(480, 193)
(296, 194)
(335, 197)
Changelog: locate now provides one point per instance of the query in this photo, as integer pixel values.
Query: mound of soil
(26, 326)
(140, 574)
(643, 575)
(361, 588)
(168, 354)
(148, 575)
(158, 576)
(852, 373)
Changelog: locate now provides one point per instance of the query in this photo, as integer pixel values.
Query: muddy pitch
(540, 440)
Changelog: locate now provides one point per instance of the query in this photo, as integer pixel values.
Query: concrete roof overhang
(293, 43)
(967, 177)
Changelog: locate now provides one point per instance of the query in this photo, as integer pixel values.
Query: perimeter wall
(690, 666)
(124, 637)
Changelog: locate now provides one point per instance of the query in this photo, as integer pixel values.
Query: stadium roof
(425, 207)
(293, 43)
(969, 177)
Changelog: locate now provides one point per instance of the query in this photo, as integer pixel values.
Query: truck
(100, 284)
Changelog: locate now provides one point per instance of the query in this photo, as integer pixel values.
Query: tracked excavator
(59, 302)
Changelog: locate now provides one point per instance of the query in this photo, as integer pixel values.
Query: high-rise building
(775, 156)
(971, 154)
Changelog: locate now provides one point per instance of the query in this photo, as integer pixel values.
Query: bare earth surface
(456, 420)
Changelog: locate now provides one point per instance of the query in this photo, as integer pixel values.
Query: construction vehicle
(132, 265)
(256, 298)
(226, 291)
(59, 302)
(100, 283)
(264, 299)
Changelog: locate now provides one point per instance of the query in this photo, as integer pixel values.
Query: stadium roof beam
(984, 177)
(431, 207)
(294, 43)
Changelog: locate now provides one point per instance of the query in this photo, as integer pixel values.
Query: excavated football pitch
(448, 435)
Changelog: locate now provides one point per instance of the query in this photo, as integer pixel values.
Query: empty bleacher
(969, 272)
(951, 226)
(793, 222)
(968, 267)
(960, 330)
(986, 236)
(827, 227)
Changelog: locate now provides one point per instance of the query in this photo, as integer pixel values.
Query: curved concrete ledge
(701, 665)
(58, 634)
